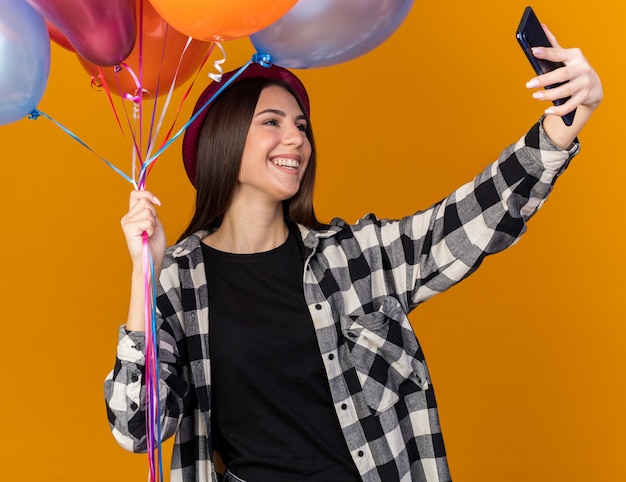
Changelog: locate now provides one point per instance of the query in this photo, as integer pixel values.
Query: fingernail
(156, 200)
(537, 50)
(549, 111)
(531, 84)
(538, 95)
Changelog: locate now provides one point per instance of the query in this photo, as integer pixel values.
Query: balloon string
(35, 114)
(147, 165)
(148, 340)
(99, 81)
(204, 61)
(183, 97)
(153, 417)
(218, 65)
(154, 131)
(135, 98)
(136, 152)
(139, 103)
(137, 111)
(264, 60)
(103, 84)
(171, 90)
(153, 409)
(157, 371)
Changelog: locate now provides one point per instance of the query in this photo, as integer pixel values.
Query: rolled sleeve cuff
(550, 155)
(131, 346)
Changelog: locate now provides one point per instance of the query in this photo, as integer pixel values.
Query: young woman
(284, 343)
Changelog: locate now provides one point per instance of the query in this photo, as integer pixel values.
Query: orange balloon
(158, 66)
(220, 20)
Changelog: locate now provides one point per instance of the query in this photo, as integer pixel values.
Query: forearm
(561, 135)
(137, 305)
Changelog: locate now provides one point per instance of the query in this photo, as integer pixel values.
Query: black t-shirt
(273, 417)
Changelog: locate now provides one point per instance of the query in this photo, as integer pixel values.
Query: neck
(249, 229)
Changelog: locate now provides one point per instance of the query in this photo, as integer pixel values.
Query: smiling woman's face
(277, 150)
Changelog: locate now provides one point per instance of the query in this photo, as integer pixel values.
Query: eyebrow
(280, 113)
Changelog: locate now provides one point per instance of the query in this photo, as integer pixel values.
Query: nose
(292, 135)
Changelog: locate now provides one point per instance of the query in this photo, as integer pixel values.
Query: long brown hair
(220, 149)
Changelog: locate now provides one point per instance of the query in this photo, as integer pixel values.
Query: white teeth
(286, 163)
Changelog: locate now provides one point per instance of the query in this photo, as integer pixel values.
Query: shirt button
(331, 357)
(133, 406)
(318, 307)
(134, 378)
(344, 406)
(360, 454)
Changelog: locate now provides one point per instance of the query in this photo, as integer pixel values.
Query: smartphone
(530, 34)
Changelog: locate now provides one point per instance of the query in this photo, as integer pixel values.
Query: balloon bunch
(141, 50)
(136, 48)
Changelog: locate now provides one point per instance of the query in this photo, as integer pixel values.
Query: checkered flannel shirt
(360, 282)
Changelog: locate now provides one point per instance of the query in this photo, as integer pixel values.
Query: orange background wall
(526, 355)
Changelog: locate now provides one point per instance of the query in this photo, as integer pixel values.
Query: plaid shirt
(360, 282)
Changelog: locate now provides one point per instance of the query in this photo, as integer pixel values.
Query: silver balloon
(318, 33)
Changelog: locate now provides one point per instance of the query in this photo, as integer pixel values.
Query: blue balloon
(318, 33)
(24, 59)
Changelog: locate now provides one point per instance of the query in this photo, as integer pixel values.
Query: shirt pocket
(386, 354)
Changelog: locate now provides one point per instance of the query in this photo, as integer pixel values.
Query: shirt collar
(310, 238)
